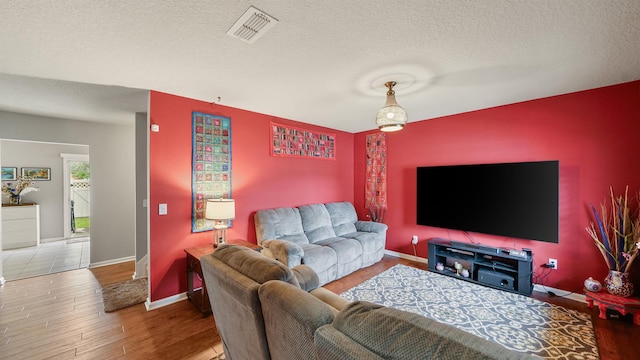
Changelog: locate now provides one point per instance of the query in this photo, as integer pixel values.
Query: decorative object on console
(617, 283)
(289, 141)
(16, 190)
(592, 285)
(221, 211)
(376, 177)
(458, 267)
(211, 167)
(616, 233)
(392, 117)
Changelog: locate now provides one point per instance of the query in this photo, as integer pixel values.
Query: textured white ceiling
(324, 63)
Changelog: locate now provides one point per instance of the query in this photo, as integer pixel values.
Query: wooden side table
(604, 301)
(200, 297)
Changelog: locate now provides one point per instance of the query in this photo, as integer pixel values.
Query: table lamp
(220, 210)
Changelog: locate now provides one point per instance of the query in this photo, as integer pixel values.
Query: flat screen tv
(517, 200)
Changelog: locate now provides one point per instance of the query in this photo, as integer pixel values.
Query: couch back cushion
(316, 222)
(413, 336)
(280, 223)
(343, 217)
(254, 265)
(291, 317)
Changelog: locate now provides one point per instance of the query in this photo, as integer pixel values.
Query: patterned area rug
(514, 321)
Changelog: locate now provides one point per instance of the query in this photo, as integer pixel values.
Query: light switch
(162, 209)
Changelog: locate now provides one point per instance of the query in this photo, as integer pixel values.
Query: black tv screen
(517, 200)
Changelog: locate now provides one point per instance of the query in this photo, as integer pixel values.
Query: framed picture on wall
(36, 173)
(9, 173)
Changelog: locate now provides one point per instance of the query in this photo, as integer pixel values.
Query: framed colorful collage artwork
(287, 141)
(211, 168)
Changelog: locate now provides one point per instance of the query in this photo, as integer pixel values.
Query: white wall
(50, 197)
(112, 153)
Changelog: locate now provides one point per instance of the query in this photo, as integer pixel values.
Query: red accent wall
(594, 135)
(259, 181)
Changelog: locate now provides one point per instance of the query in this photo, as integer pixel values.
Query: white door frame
(66, 187)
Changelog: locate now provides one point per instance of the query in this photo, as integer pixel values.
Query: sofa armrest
(371, 226)
(330, 298)
(307, 278)
(284, 251)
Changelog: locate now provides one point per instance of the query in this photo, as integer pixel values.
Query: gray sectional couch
(328, 238)
(264, 310)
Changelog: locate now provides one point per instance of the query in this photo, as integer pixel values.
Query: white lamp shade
(220, 209)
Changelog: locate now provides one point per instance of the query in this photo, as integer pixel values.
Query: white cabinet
(20, 226)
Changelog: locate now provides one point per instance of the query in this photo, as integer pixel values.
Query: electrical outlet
(553, 264)
(414, 239)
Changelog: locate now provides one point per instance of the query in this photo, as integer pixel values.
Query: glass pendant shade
(392, 117)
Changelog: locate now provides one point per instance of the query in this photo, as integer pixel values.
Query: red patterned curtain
(376, 176)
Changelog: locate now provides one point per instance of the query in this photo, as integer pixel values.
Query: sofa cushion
(280, 223)
(316, 222)
(318, 257)
(370, 242)
(343, 217)
(346, 250)
(323, 260)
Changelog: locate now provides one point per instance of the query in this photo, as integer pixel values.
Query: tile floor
(48, 258)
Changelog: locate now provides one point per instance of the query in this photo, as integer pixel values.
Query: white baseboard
(142, 268)
(112, 262)
(405, 256)
(164, 302)
(48, 240)
(559, 292)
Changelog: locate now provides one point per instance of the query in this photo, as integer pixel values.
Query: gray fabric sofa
(264, 310)
(326, 237)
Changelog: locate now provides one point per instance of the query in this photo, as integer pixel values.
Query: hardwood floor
(61, 316)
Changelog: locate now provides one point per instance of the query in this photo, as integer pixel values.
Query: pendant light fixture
(392, 117)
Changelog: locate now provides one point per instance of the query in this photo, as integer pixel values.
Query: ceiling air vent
(252, 25)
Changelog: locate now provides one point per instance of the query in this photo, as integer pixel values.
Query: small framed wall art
(36, 173)
(9, 173)
(288, 141)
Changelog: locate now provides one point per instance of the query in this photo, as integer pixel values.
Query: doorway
(77, 196)
(54, 251)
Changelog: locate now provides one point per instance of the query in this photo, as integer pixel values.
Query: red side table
(604, 301)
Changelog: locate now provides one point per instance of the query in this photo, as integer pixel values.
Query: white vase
(592, 285)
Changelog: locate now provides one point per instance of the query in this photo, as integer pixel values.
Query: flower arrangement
(616, 232)
(21, 187)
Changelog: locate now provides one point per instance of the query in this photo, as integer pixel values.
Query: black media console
(499, 268)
